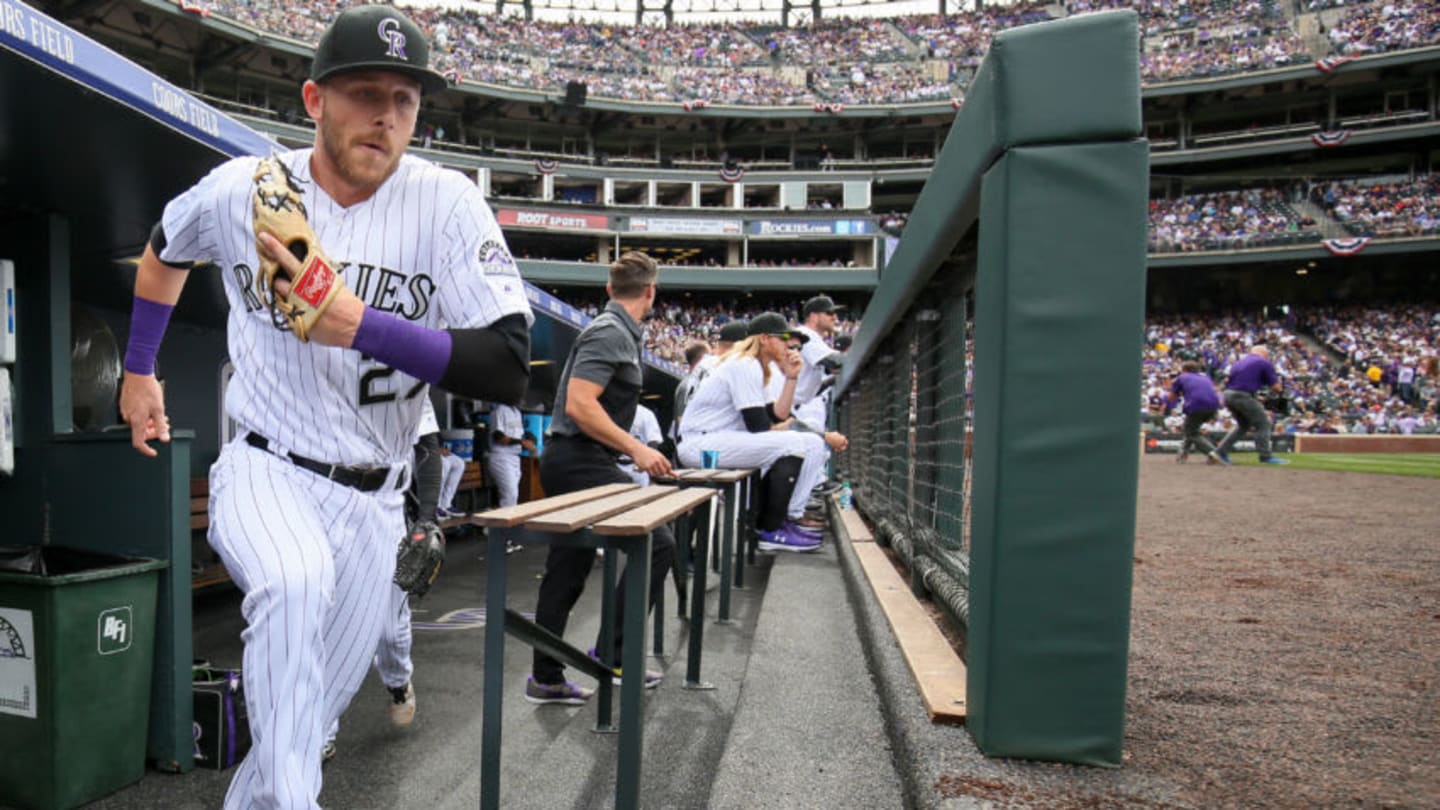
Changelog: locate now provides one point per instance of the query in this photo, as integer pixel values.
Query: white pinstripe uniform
(809, 407)
(315, 558)
(452, 467)
(712, 421)
(503, 462)
(646, 428)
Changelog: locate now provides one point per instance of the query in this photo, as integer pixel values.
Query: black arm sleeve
(771, 415)
(157, 244)
(492, 363)
(757, 420)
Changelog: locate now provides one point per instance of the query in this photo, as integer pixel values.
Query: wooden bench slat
(199, 521)
(199, 487)
(729, 476)
(655, 513)
(507, 516)
(585, 514)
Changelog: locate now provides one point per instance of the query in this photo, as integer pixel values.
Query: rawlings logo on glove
(280, 211)
(422, 553)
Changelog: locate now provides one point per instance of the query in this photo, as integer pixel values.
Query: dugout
(91, 148)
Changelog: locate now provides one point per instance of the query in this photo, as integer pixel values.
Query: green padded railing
(1007, 483)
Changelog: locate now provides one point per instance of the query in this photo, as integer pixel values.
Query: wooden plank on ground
(855, 526)
(584, 514)
(938, 670)
(655, 513)
(507, 516)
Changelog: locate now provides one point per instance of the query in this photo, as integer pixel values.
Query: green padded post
(1060, 306)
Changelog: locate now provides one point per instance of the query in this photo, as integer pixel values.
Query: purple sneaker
(796, 530)
(781, 540)
(653, 677)
(569, 694)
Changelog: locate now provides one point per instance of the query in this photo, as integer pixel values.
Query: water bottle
(847, 497)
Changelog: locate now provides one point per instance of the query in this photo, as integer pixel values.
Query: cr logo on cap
(390, 32)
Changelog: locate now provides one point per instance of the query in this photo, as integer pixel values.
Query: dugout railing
(1027, 248)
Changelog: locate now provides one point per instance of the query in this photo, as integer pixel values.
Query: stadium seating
(922, 58)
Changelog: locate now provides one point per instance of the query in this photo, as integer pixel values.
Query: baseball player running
(730, 413)
(306, 503)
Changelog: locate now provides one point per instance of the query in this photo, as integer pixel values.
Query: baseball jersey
(425, 247)
(505, 420)
(646, 427)
(811, 375)
(735, 384)
(428, 423)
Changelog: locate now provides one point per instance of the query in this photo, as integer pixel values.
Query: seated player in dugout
(595, 403)
(307, 503)
(730, 414)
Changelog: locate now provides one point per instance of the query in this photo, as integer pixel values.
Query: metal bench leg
(657, 644)
(494, 669)
(637, 589)
(697, 605)
(727, 544)
(604, 722)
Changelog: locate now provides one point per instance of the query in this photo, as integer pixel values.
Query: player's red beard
(356, 161)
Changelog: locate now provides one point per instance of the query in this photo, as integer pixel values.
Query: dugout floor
(795, 721)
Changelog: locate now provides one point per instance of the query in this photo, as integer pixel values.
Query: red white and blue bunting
(452, 76)
(546, 165)
(731, 174)
(1326, 140)
(833, 109)
(695, 104)
(1330, 63)
(193, 8)
(1346, 247)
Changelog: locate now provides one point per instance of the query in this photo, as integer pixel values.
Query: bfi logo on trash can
(114, 630)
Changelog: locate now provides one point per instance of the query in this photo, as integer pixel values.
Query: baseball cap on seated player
(735, 331)
(820, 303)
(376, 38)
(773, 323)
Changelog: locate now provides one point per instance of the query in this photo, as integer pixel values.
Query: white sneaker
(402, 706)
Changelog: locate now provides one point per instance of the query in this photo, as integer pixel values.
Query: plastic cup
(710, 459)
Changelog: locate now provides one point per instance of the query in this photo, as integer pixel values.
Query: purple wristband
(148, 320)
(419, 351)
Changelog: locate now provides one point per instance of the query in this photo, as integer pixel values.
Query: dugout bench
(736, 536)
(616, 517)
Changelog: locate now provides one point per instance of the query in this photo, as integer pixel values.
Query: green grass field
(1421, 465)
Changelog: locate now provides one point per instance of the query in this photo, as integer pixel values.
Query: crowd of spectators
(1392, 25)
(1401, 208)
(1361, 393)
(677, 323)
(848, 61)
(1229, 220)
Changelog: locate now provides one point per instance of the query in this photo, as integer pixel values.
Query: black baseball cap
(820, 303)
(773, 323)
(376, 38)
(735, 331)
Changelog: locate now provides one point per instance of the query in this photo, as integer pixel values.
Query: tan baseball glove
(280, 212)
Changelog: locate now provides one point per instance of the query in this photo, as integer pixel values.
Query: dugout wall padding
(1035, 215)
(1057, 319)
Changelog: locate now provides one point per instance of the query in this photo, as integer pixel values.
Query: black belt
(365, 479)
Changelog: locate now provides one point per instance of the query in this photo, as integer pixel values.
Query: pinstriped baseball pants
(315, 561)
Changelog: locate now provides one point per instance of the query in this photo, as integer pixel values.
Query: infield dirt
(1285, 649)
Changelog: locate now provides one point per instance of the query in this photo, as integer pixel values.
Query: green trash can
(77, 640)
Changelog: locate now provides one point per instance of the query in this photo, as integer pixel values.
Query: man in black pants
(595, 403)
